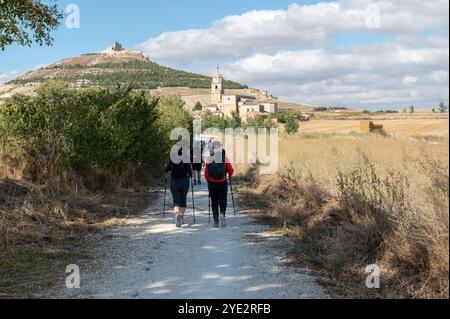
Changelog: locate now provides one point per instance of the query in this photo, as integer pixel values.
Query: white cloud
(299, 26)
(290, 52)
(409, 80)
(8, 76)
(372, 75)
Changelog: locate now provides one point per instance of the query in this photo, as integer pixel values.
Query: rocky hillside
(112, 67)
(107, 69)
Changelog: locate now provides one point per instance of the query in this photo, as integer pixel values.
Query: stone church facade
(246, 106)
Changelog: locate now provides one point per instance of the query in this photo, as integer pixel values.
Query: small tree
(291, 126)
(198, 106)
(235, 121)
(412, 109)
(443, 108)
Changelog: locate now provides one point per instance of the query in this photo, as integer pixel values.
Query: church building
(246, 106)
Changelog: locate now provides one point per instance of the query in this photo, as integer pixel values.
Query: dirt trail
(151, 258)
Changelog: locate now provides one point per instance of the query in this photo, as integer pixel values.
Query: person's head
(218, 152)
(216, 146)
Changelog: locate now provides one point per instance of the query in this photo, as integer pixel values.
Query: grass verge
(42, 234)
(367, 216)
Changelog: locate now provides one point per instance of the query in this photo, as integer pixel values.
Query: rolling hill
(106, 69)
(112, 67)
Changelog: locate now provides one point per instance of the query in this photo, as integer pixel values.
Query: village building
(246, 106)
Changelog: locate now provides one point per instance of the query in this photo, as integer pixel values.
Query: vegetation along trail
(151, 258)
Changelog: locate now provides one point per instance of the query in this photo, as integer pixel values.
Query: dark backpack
(217, 170)
(179, 170)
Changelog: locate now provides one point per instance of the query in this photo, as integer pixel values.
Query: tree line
(94, 137)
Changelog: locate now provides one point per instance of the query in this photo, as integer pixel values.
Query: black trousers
(179, 187)
(218, 193)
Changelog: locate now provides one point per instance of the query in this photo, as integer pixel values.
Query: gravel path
(151, 258)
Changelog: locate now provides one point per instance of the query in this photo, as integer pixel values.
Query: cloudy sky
(356, 53)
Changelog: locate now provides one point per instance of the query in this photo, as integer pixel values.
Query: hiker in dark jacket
(216, 169)
(179, 187)
(197, 162)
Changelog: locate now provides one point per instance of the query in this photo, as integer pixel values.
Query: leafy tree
(442, 108)
(198, 106)
(99, 133)
(283, 116)
(22, 22)
(235, 121)
(291, 126)
(172, 114)
(258, 122)
(210, 120)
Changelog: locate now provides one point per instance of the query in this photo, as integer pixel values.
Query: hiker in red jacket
(217, 167)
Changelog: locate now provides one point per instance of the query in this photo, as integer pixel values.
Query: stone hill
(108, 68)
(118, 65)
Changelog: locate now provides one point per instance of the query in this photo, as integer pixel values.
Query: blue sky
(130, 22)
(317, 52)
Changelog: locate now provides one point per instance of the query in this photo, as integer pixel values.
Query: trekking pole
(165, 193)
(193, 203)
(232, 195)
(209, 208)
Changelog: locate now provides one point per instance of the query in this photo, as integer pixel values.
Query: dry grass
(40, 234)
(353, 200)
(42, 231)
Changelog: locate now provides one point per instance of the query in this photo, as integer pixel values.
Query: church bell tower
(217, 88)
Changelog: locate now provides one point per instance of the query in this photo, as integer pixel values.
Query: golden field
(409, 126)
(350, 199)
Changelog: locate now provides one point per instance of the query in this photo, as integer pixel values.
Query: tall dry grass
(351, 201)
(34, 216)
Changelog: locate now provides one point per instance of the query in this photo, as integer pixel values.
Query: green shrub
(235, 121)
(120, 133)
(209, 120)
(283, 115)
(172, 115)
(198, 106)
(292, 125)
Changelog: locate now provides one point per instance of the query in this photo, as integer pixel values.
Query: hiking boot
(195, 183)
(179, 219)
(216, 223)
(222, 220)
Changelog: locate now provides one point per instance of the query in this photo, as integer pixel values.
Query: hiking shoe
(216, 223)
(222, 221)
(179, 219)
(195, 183)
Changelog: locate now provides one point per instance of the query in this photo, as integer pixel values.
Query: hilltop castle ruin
(117, 50)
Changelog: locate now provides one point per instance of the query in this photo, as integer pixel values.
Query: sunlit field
(394, 127)
(351, 199)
